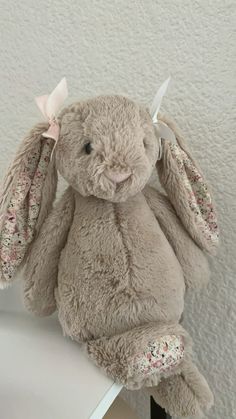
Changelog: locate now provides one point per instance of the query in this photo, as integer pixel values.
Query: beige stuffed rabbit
(113, 256)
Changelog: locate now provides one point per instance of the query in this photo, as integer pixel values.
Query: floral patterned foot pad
(159, 356)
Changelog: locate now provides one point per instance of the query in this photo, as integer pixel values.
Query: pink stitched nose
(116, 176)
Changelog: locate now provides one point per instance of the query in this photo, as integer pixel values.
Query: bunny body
(108, 270)
(114, 258)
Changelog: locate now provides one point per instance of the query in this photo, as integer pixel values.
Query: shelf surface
(45, 375)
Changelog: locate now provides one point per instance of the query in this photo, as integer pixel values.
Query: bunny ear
(27, 196)
(187, 190)
(30, 186)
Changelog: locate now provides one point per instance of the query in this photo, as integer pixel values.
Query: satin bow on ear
(49, 105)
(164, 131)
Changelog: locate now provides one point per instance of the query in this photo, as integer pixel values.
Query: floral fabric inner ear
(22, 210)
(198, 196)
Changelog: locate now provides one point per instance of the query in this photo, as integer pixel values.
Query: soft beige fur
(114, 259)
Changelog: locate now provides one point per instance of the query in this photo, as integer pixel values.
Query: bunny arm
(43, 258)
(191, 258)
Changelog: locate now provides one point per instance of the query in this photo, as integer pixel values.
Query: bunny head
(107, 147)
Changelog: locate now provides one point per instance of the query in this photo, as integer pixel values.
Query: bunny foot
(141, 356)
(186, 394)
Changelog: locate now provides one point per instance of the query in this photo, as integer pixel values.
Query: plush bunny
(113, 256)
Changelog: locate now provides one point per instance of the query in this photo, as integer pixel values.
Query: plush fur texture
(185, 394)
(114, 258)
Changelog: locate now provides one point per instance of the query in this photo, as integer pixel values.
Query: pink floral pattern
(159, 356)
(199, 198)
(20, 217)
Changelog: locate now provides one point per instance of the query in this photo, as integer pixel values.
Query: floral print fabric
(20, 217)
(159, 356)
(199, 198)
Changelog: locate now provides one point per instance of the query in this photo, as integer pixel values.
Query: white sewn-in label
(166, 132)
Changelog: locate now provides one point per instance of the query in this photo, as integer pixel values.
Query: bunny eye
(145, 143)
(88, 148)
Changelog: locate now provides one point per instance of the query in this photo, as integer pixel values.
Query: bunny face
(107, 147)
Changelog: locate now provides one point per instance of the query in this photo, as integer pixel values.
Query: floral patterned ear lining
(21, 213)
(199, 214)
(199, 198)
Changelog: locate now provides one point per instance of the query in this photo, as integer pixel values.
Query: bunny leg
(141, 356)
(42, 263)
(185, 394)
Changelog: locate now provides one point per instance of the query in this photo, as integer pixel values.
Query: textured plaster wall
(131, 47)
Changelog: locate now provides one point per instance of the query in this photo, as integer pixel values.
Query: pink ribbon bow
(49, 105)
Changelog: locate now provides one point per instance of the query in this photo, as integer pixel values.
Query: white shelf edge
(106, 402)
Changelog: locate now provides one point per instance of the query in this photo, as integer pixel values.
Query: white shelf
(45, 375)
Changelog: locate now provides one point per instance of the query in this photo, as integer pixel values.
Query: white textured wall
(131, 47)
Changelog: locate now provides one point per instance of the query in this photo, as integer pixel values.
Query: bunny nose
(116, 176)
